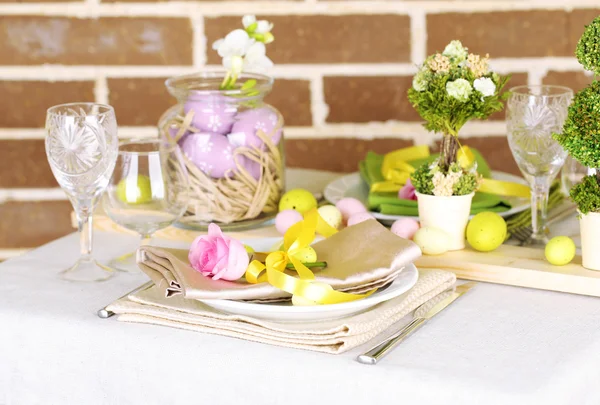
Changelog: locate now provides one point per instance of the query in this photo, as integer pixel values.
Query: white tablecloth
(496, 345)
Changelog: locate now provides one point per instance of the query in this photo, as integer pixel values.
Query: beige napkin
(333, 336)
(359, 258)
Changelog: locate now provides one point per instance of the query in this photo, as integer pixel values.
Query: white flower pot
(449, 214)
(589, 225)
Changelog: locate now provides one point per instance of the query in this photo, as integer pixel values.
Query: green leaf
(249, 84)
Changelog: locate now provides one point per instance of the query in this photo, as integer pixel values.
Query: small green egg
(486, 231)
(299, 199)
(131, 193)
(560, 250)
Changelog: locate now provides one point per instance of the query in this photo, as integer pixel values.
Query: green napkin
(390, 204)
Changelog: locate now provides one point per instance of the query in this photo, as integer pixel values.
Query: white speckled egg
(285, 219)
(331, 215)
(212, 153)
(360, 217)
(405, 227)
(432, 241)
(349, 206)
(248, 122)
(212, 113)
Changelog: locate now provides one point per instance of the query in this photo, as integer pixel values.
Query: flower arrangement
(581, 131)
(450, 89)
(244, 50)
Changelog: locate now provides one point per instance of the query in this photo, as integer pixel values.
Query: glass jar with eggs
(232, 142)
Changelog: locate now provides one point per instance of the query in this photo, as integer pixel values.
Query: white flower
(236, 43)
(459, 89)
(262, 26)
(419, 81)
(443, 185)
(456, 51)
(256, 59)
(485, 86)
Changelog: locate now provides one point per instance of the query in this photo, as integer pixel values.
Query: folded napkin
(390, 204)
(333, 336)
(359, 258)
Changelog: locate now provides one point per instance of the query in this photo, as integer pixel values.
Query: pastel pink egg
(215, 114)
(212, 153)
(249, 122)
(359, 217)
(285, 219)
(405, 228)
(349, 206)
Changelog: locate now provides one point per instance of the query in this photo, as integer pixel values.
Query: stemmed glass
(81, 145)
(148, 190)
(534, 113)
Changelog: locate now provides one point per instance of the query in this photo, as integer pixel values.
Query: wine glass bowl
(534, 114)
(81, 146)
(148, 190)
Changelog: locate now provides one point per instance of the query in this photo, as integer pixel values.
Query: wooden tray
(517, 266)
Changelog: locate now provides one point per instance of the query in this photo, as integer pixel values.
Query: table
(496, 345)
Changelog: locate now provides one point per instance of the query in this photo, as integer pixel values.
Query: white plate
(352, 185)
(286, 312)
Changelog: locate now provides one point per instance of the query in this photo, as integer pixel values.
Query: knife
(421, 315)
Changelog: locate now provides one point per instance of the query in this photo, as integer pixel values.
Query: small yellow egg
(135, 193)
(249, 249)
(299, 199)
(432, 241)
(560, 250)
(486, 231)
(306, 255)
(332, 215)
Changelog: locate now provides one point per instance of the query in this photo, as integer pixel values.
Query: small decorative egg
(331, 215)
(349, 206)
(298, 199)
(306, 255)
(135, 191)
(560, 250)
(252, 167)
(405, 227)
(360, 217)
(432, 241)
(249, 122)
(212, 113)
(173, 131)
(285, 219)
(249, 249)
(486, 231)
(212, 153)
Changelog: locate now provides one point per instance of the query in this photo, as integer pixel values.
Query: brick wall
(342, 69)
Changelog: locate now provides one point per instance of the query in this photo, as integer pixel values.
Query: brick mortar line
(32, 194)
(372, 130)
(101, 90)
(283, 71)
(199, 42)
(418, 36)
(222, 8)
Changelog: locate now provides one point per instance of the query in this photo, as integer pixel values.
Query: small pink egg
(285, 219)
(349, 206)
(359, 217)
(405, 228)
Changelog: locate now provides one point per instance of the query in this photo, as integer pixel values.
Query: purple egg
(250, 165)
(215, 114)
(212, 153)
(247, 123)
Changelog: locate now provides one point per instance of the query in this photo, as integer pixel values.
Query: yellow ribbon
(396, 171)
(298, 237)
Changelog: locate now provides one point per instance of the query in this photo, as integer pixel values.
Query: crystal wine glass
(534, 113)
(82, 145)
(148, 191)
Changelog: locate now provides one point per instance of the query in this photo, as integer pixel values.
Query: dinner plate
(286, 312)
(352, 185)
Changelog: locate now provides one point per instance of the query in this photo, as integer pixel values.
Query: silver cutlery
(421, 315)
(105, 313)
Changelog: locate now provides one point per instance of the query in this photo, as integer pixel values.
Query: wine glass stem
(539, 209)
(84, 218)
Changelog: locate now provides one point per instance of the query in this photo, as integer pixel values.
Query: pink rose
(218, 256)
(407, 192)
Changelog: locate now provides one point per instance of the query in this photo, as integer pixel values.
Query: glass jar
(232, 143)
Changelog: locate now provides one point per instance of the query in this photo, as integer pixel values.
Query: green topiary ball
(581, 130)
(586, 195)
(588, 47)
